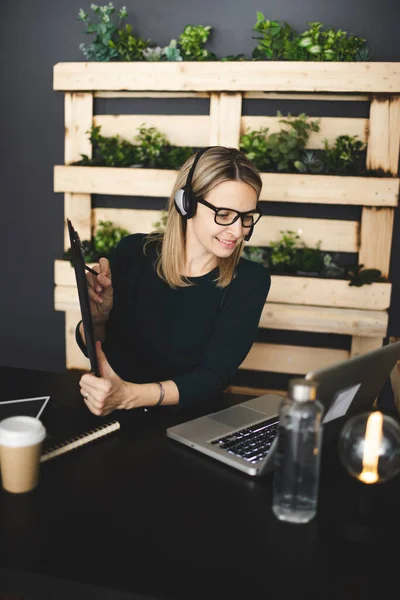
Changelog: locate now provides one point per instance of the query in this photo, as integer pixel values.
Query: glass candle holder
(369, 447)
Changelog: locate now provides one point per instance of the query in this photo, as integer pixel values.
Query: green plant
(109, 151)
(256, 254)
(160, 225)
(150, 144)
(331, 269)
(309, 260)
(173, 157)
(360, 276)
(127, 46)
(309, 163)
(274, 37)
(153, 54)
(106, 238)
(153, 151)
(285, 146)
(102, 48)
(255, 146)
(330, 45)
(191, 43)
(232, 57)
(341, 158)
(281, 150)
(282, 252)
(172, 52)
(279, 41)
(363, 54)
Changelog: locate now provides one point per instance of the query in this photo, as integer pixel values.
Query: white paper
(44, 398)
(341, 403)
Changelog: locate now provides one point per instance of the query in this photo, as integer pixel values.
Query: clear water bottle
(297, 458)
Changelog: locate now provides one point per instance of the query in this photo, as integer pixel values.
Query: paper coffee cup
(20, 449)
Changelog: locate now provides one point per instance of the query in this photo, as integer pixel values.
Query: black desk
(137, 516)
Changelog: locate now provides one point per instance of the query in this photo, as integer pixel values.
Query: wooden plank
(78, 121)
(214, 119)
(330, 189)
(317, 97)
(336, 293)
(338, 236)
(334, 235)
(345, 321)
(362, 345)
(394, 134)
(378, 136)
(135, 221)
(162, 95)
(77, 208)
(114, 181)
(384, 134)
(78, 109)
(247, 95)
(309, 291)
(180, 130)
(194, 130)
(241, 76)
(330, 128)
(74, 357)
(230, 111)
(376, 238)
(278, 187)
(296, 360)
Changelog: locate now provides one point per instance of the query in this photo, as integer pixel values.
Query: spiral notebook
(51, 451)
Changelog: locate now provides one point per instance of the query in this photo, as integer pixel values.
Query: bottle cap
(302, 390)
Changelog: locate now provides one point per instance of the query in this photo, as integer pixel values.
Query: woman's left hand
(106, 393)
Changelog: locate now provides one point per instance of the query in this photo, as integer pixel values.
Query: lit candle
(372, 441)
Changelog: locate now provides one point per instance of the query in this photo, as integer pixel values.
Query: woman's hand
(100, 291)
(109, 392)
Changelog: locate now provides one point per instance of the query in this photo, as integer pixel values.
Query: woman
(176, 314)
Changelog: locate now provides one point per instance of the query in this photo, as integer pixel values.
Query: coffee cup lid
(21, 431)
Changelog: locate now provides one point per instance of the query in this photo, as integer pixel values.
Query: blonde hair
(216, 165)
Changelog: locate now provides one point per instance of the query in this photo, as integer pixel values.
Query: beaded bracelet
(162, 393)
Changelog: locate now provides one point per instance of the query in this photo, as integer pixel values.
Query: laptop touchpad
(237, 416)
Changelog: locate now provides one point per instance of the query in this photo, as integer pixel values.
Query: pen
(91, 270)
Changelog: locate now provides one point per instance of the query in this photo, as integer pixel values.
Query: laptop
(244, 436)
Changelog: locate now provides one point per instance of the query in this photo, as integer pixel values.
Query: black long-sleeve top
(196, 336)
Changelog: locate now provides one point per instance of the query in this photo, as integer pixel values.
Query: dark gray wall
(35, 35)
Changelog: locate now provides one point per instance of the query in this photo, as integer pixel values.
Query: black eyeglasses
(227, 216)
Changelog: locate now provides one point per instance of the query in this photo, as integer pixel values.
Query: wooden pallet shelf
(316, 305)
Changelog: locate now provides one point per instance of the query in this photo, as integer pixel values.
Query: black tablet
(78, 263)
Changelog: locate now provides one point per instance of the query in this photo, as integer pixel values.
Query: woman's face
(221, 240)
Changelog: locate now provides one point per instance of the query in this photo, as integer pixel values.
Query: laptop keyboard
(252, 443)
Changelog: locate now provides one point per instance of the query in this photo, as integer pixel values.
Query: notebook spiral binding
(80, 440)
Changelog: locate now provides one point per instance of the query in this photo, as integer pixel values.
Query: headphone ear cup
(185, 203)
(180, 202)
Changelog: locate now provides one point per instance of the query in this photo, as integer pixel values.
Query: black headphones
(186, 200)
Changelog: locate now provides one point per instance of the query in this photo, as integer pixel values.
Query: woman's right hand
(100, 291)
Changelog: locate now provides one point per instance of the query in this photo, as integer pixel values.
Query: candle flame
(373, 437)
